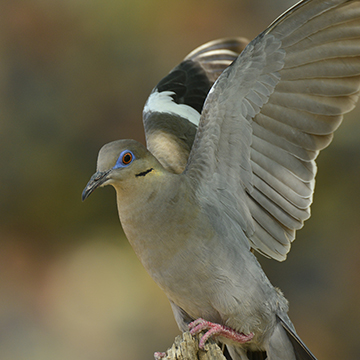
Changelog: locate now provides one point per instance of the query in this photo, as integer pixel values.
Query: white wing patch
(162, 102)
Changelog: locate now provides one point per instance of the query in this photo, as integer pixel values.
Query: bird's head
(119, 164)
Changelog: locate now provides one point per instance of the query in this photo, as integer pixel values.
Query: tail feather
(256, 355)
(235, 353)
(301, 350)
(283, 344)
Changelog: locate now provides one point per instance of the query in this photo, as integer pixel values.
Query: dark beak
(96, 180)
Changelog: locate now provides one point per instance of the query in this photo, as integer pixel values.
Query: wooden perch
(186, 347)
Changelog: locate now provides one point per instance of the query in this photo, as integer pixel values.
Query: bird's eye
(125, 158)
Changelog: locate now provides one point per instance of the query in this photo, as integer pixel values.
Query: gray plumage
(234, 169)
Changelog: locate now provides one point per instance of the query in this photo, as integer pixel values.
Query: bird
(228, 173)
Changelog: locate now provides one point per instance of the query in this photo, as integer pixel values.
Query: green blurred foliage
(74, 75)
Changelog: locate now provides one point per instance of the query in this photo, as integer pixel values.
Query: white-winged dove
(231, 168)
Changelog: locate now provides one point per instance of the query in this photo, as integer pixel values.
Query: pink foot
(216, 330)
(159, 355)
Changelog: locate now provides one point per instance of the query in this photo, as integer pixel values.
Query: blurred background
(74, 75)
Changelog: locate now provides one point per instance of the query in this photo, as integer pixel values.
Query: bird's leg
(214, 329)
(159, 355)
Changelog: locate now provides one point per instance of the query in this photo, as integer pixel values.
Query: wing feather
(282, 143)
(325, 87)
(270, 113)
(172, 112)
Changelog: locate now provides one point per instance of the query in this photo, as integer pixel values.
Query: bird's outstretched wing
(172, 112)
(268, 116)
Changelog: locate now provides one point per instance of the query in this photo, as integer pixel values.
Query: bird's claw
(213, 329)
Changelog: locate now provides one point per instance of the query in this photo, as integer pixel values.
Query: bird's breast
(201, 270)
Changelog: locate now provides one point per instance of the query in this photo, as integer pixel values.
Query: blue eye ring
(125, 158)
